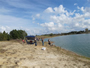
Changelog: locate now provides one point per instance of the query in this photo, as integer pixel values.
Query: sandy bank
(14, 54)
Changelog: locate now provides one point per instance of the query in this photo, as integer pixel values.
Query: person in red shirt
(23, 41)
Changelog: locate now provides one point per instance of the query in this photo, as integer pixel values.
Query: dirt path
(17, 55)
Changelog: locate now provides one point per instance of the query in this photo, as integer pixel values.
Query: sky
(39, 17)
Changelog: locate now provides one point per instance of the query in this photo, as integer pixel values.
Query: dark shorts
(49, 43)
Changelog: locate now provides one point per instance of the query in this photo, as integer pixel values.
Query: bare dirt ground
(15, 54)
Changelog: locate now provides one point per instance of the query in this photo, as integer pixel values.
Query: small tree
(4, 36)
(51, 34)
(86, 30)
(18, 34)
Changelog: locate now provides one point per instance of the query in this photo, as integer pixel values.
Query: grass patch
(2, 50)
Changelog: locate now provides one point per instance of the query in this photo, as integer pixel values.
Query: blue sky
(44, 16)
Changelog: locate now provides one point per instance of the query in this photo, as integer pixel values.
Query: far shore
(48, 36)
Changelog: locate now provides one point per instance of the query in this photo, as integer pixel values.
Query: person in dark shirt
(49, 42)
(35, 42)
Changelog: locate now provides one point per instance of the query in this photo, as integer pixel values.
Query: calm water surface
(79, 43)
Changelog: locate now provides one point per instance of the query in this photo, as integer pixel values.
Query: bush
(4, 36)
(18, 34)
(14, 34)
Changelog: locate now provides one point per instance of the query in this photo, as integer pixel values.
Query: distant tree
(36, 35)
(51, 34)
(86, 30)
(80, 32)
(73, 32)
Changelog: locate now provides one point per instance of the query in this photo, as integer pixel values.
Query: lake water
(79, 43)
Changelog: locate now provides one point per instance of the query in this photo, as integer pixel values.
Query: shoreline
(17, 54)
(67, 49)
(71, 53)
(76, 54)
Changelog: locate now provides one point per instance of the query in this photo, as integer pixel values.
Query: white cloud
(8, 23)
(37, 15)
(49, 10)
(78, 7)
(50, 24)
(23, 4)
(17, 3)
(77, 24)
(87, 9)
(38, 23)
(65, 21)
(6, 19)
(82, 9)
(35, 31)
(88, 0)
(60, 9)
(70, 13)
(61, 19)
(59, 25)
(3, 10)
(75, 3)
(52, 27)
(57, 19)
(5, 28)
(33, 18)
(87, 14)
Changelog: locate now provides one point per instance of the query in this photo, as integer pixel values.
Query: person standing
(23, 41)
(49, 42)
(42, 42)
(35, 42)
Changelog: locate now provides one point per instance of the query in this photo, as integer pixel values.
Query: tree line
(69, 33)
(14, 34)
